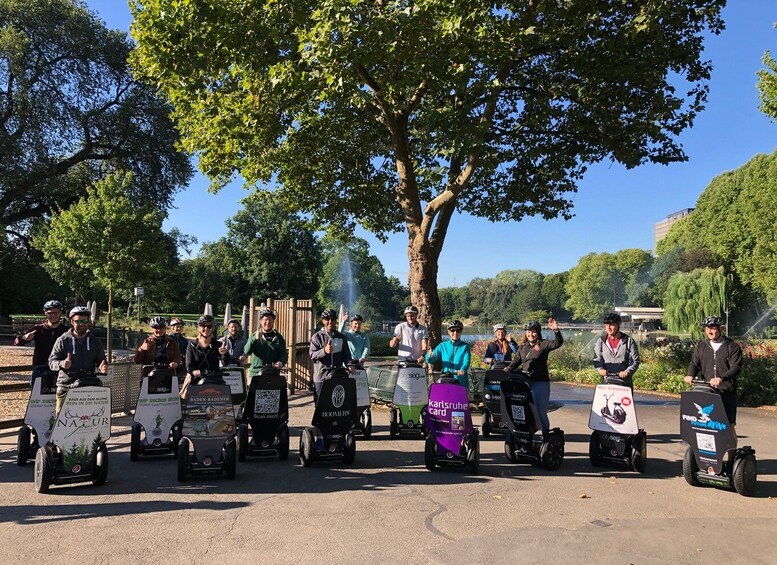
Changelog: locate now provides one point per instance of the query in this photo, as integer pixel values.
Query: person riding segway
(76, 450)
(44, 335)
(328, 350)
(499, 354)
(616, 436)
(708, 416)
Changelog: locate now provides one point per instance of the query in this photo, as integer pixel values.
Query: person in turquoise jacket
(454, 353)
(358, 341)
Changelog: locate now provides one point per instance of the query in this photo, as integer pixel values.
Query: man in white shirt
(410, 337)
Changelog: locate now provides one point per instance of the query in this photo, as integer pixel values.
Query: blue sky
(614, 208)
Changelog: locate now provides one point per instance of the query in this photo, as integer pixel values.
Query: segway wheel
(44, 469)
(349, 453)
(393, 424)
(306, 448)
(639, 453)
(23, 446)
(552, 452)
(283, 443)
(745, 475)
(135, 441)
(100, 474)
(485, 423)
(429, 449)
(183, 459)
(594, 449)
(367, 423)
(422, 422)
(177, 431)
(690, 468)
(473, 455)
(510, 448)
(230, 459)
(242, 442)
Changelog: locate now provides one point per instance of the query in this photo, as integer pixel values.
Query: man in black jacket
(719, 359)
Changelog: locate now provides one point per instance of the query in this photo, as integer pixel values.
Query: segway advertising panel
(520, 415)
(330, 435)
(235, 378)
(363, 411)
(451, 438)
(616, 437)
(39, 417)
(209, 425)
(492, 401)
(157, 414)
(705, 428)
(411, 395)
(76, 450)
(266, 416)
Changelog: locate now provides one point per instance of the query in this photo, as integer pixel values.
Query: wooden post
(291, 346)
(251, 315)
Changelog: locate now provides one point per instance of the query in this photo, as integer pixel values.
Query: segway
(157, 414)
(411, 395)
(616, 437)
(39, 417)
(330, 434)
(492, 421)
(76, 451)
(522, 422)
(451, 439)
(712, 457)
(209, 428)
(363, 425)
(263, 425)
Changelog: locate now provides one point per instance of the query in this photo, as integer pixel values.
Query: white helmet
(499, 326)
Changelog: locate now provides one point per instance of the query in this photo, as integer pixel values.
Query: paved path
(387, 507)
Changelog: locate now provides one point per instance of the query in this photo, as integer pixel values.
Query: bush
(379, 345)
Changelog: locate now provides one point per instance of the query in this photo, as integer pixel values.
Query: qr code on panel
(267, 401)
(705, 442)
(518, 414)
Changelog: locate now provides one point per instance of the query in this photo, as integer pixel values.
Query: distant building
(660, 229)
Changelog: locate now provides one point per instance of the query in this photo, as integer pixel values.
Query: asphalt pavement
(386, 507)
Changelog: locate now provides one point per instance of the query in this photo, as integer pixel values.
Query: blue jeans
(540, 391)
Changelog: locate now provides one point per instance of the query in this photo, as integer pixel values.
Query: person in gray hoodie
(76, 352)
(616, 353)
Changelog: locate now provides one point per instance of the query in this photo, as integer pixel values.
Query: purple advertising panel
(448, 416)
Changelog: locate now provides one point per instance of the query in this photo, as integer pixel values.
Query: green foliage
(690, 297)
(268, 252)
(767, 86)
(733, 219)
(379, 345)
(489, 110)
(600, 281)
(71, 112)
(375, 296)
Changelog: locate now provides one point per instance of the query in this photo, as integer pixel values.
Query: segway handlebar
(85, 378)
(613, 379)
(211, 378)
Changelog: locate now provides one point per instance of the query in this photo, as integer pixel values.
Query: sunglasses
(81, 322)
(208, 327)
(454, 331)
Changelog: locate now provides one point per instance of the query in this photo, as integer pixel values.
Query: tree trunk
(422, 280)
(110, 323)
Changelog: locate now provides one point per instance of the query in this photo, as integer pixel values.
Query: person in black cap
(328, 350)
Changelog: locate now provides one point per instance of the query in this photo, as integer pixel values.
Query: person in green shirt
(358, 341)
(266, 346)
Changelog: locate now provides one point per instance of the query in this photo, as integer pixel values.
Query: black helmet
(80, 310)
(534, 326)
(329, 314)
(712, 321)
(411, 310)
(455, 325)
(233, 321)
(357, 318)
(51, 304)
(612, 318)
(157, 322)
(205, 320)
(266, 312)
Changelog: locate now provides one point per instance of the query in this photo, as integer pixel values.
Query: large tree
(106, 239)
(70, 110)
(396, 114)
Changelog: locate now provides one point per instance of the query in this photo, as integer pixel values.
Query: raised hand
(68, 362)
